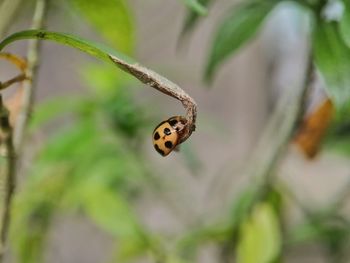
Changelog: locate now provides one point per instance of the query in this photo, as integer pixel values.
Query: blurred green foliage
(241, 24)
(260, 240)
(332, 57)
(93, 166)
(192, 17)
(198, 6)
(112, 19)
(94, 163)
(345, 23)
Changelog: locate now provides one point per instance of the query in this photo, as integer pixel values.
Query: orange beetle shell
(167, 135)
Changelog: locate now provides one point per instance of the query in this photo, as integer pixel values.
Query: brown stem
(14, 80)
(31, 70)
(7, 133)
(9, 180)
(20, 63)
(165, 86)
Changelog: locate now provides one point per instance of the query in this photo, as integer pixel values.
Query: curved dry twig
(165, 86)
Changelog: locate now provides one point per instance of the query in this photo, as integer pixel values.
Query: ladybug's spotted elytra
(168, 134)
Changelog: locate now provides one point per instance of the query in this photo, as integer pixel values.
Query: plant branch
(273, 144)
(31, 72)
(9, 175)
(7, 10)
(102, 52)
(165, 86)
(18, 78)
(7, 139)
(279, 130)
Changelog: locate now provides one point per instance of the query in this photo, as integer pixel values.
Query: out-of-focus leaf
(260, 237)
(189, 244)
(192, 17)
(124, 115)
(242, 207)
(196, 6)
(51, 109)
(84, 167)
(330, 229)
(129, 249)
(108, 209)
(235, 30)
(103, 80)
(332, 57)
(175, 259)
(344, 24)
(112, 19)
(33, 210)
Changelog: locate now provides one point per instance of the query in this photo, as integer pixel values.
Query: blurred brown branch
(32, 68)
(6, 84)
(9, 175)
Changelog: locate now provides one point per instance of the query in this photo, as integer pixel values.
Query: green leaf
(344, 24)
(332, 58)
(189, 244)
(48, 110)
(103, 80)
(260, 237)
(243, 205)
(192, 17)
(196, 6)
(235, 30)
(108, 209)
(102, 52)
(129, 249)
(92, 48)
(112, 20)
(33, 210)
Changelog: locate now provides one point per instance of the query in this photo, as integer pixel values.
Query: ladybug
(168, 134)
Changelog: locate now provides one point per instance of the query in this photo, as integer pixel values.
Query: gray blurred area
(232, 115)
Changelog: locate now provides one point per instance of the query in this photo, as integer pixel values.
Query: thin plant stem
(165, 86)
(8, 8)
(279, 130)
(274, 142)
(7, 139)
(31, 72)
(9, 174)
(14, 80)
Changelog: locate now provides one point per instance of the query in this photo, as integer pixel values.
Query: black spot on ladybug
(167, 131)
(172, 122)
(169, 144)
(156, 136)
(158, 150)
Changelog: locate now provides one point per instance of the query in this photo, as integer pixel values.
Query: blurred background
(91, 187)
